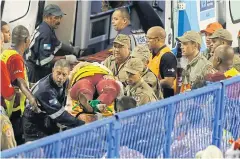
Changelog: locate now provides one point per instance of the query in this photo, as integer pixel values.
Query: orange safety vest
(154, 65)
(4, 57)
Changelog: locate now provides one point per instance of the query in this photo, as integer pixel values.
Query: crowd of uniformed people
(43, 94)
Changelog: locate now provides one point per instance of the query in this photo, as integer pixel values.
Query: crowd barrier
(176, 127)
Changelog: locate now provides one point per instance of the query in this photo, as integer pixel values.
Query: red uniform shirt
(13, 69)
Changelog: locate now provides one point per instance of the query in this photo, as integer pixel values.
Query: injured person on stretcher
(92, 92)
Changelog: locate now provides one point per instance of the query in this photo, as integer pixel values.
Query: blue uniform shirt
(52, 100)
(44, 44)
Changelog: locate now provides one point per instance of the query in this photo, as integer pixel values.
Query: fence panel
(230, 115)
(193, 122)
(143, 130)
(88, 141)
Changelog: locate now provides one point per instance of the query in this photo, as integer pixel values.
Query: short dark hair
(62, 63)
(124, 13)
(19, 34)
(126, 103)
(3, 23)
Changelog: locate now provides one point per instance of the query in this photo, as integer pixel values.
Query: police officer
(142, 52)
(122, 24)
(137, 87)
(51, 94)
(224, 37)
(121, 54)
(45, 48)
(162, 63)
(198, 66)
(7, 135)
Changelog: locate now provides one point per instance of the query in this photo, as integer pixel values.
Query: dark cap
(53, 9)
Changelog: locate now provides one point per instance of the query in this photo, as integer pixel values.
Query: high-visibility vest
(231, 73)
(4, 57)
(90, 70)
(154, 65)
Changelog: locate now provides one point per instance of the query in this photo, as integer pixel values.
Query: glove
(102, 107)
(71, 59)
(76, 51)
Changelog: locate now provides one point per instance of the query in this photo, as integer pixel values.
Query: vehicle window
(98, 28)
(234, 10)
(104, 6)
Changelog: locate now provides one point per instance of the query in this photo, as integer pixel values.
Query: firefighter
(137, 87)
(45, 48)
(16, 76)
(51, 94)
(142, 52)
(198, 66)
(93, 89)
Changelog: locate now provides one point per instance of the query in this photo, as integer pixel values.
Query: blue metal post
(169, 127)
(217, 119)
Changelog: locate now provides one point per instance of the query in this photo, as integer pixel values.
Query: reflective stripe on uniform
(57, 114)
(57, 48)
(46, 60)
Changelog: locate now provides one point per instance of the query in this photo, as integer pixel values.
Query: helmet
(19, 33)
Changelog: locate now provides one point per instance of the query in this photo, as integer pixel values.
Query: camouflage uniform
(195, 71)
(110, 62)
(140, 91)
(7, 135)
(226, 35)
(142, 52)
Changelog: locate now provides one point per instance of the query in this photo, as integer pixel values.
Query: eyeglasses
(151, 38)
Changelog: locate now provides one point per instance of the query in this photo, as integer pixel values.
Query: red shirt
(13, 69)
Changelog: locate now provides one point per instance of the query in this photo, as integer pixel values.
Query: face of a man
(54, 21)
(132, 78)
(60, 75)
(188, 48)
(1, 42)
(215, 43)
(6, 33)
(208, 40)
(118, 21)
(120, 52)
(151, 40)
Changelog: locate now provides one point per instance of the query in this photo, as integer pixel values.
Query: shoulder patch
(47, 46)
(137, 98)
(53, 101)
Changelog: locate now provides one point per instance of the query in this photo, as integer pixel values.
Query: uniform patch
(137, 98)
(47, 46)
(53, 101)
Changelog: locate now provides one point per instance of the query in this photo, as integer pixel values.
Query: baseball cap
(191, 36)
(134, 66)
(223, 34)
(53, 9)
(212, 27)
(142, 52)
(122, 39)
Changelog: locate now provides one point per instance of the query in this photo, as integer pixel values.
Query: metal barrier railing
(175, 127)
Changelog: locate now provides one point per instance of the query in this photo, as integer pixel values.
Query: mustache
(57, 23)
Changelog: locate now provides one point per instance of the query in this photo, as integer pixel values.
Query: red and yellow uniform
(13, 68)
(91, 78)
